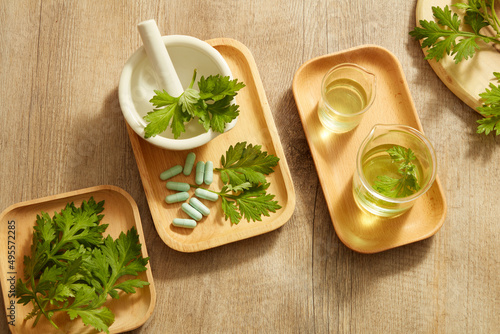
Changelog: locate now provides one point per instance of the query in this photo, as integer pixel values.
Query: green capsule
(180, 222)
(195, 203)
(178, 186)
(205, 194)
(189, 163)
(200, 172)
(171, 172)
(209, 172)
(192, 212)
(178, 197)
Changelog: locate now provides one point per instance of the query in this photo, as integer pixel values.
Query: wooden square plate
(255, 126)
(16, 232)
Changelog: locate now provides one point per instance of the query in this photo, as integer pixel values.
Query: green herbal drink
(395, 165)
(342, 99)
(391, 175)
(378, 163)
(345, 96)
(347, 92)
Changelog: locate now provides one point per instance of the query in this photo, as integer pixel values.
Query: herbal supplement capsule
(188, 164)
(171, 172)
(178, 197)
(178, 186)
(200, 172)
(195, 203)
(209, 172)
(205, 194)
(192, 212)
(180, 222)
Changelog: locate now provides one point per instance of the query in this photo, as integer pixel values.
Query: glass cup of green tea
(347, 92)
(395, 165)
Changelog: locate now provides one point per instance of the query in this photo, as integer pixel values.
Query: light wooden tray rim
(338, 155)
(468, 78)
(152, 160)
(123, 321)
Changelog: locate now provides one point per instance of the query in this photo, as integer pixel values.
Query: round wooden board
(468, 78)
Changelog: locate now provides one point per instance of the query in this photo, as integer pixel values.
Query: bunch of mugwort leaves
(446, 37)
(73, 268)
(211, 104)
(407, 184)
(243, 172)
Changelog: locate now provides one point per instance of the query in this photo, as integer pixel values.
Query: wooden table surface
(62, 130)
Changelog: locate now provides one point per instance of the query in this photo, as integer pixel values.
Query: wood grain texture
(62, 130)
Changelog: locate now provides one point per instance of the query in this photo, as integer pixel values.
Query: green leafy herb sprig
(445, 36)
(211, 104)
(407, 184)
(490, 109)
(243, 173)
(73, 268)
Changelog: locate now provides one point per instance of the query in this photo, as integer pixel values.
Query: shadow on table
(343, 275)
(169, 264)
(99, 150)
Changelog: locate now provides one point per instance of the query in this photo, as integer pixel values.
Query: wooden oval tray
(255, 126)
(468, 78)
(335, 154)
(120, 212)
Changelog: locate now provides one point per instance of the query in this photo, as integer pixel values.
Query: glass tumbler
(347, 92)
(373, 163)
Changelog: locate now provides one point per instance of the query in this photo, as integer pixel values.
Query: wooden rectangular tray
(335, 154)
(120, 212)
(256, 126)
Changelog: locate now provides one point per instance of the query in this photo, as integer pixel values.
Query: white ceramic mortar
(139, 80)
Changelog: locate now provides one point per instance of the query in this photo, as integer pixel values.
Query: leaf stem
(490, 18)
(42, 312)
(496, 22)
(193, 79)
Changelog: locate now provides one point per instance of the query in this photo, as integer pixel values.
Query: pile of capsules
(195, 208)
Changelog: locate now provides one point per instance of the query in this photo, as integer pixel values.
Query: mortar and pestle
(167, 62)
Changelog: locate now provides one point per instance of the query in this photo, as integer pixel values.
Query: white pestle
(159, 58)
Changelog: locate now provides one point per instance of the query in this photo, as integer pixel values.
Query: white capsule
(192, 212)
(206, 194)
(189, 163)
(178, 186)
(200, 172)
(209, 172)
(180, 222)
(178, 197)
(171, 172)
(198, 205)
